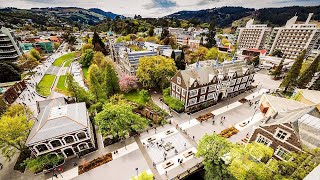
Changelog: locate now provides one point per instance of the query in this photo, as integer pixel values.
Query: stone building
(61, 128)
(207, 85)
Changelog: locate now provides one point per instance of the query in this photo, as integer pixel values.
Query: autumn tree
(35, 53)
(155, 71)
(198, 54)
(143, 176)
(14, 129)
(307, 75)
(212, 148)
(128, 83)
(85, 47)
(99, 59)
(290, 79)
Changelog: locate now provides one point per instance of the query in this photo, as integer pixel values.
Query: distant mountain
(225, 16)
(106, 14)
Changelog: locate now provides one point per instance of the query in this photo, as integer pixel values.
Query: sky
(153, 8)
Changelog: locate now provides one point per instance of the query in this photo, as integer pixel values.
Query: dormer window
(178, 80)
(282, 135)
(195, 84)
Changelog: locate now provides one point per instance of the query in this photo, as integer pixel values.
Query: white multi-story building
(252, 36)
(292, 38)
(156, 47)
(9, 46)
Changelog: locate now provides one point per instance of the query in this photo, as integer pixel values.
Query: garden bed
(62, 59)
(62, 83)
(229, 132)
(44, 86)
(87, 166)
(204, 117)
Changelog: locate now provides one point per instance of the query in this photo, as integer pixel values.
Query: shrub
(172, 102)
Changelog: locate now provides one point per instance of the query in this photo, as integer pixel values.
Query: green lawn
(67, 63)
(134, 96)
(85, 72)
(61, 83)
(62, 59)
(44, 86)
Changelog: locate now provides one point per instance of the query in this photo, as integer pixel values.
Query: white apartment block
(292, 38)
(252, 36)
(9, 47)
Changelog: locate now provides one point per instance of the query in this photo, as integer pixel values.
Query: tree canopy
(155, 71)
(8, 73)
(86, 58)
(307, 75)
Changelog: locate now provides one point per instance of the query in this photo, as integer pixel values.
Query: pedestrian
(213, 122)
(193, 137)
(185, 145)
(166, 173)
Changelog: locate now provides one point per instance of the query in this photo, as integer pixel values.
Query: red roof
(262, 51)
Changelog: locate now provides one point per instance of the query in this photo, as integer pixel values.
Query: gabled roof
(57, 118)
(311, 95)
(282, 105)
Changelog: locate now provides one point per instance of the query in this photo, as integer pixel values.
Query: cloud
(206, 2)
(161, 4)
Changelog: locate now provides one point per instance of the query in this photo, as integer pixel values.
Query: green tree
(293, 74)
(43, 162)
(8, 73)
(77, 91)
(164, 34)
(151, 31)
(14, 130)
(212, 33)
(95, 86)
(155, 71)
(198, 54)
(111, 80)
(316, 84)
(99, 59)
(98, 44)
(277, 53)
(144, 94)
(278, 71)
(117, 119)
(307, 75)
(173, 55)
(34, 53)
(85, 47)
(86, 58)
(143, 176)
(56, 45)
(212, 148)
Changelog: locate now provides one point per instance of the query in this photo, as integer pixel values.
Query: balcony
(8, 56)
(6, 45)
(4, 39)
(7, 50)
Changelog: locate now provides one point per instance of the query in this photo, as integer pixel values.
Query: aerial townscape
(160, 90)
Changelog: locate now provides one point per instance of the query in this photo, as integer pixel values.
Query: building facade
(292, 38)
(252, 36)
(204, 86)
(9, 45)
(61, 128)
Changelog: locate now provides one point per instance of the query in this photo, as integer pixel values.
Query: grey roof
(280, 104)
(203, 75)
(311, 95)
(57, 118)
(309, 130)
(314, 174)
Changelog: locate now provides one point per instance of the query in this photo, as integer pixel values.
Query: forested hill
(226, 15)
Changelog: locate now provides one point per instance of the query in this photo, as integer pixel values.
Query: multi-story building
(61, 128)
(289, 126)
(252, 36)
(156, 47)
(129, 60)
(292, 38)
(9, 46)
(208, 85)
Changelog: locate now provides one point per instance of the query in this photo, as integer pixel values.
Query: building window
(192, 101)
(173, 94)
(83, 146)
(263, 140)
(173, 86)
(210, 96)
(42, 147)
(281, 134)
(81, 135)
(193, 93)
(55, 143)
(211, 88)
(69, 139)
(178, 80)
(202, 98)
(178, 89)
(282, 153)
(203, 90)
(195, 84)
(183, 92)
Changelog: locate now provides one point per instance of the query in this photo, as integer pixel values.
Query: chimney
(309, 18)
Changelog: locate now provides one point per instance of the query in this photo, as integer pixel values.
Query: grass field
(62, 59)
(85, 72)
(67, 63)
(134, 96)
(61, 83)
(44, 86)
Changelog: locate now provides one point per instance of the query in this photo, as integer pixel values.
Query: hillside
(54, 17)
(235, 16)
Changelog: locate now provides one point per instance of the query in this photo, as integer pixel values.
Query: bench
(167, 164)
(188, 154)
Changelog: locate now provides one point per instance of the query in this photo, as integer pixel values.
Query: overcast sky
(153, 8)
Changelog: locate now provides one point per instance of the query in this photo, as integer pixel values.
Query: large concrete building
(252, 36)
(292, 38)
(9, 46)
(207, 85)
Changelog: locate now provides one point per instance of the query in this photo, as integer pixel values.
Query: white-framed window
(178, 96)
(210, 96)
(263, 140)
(203, 90)
(178, 89)
(193, 93)
(179, 80)
(173, 86)
(202, 98)
(212, 88)
(195, 84)
(281, 153)
(281, 134)
(183, 92)
(173, 94)
(238, 80)
(192, 101)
